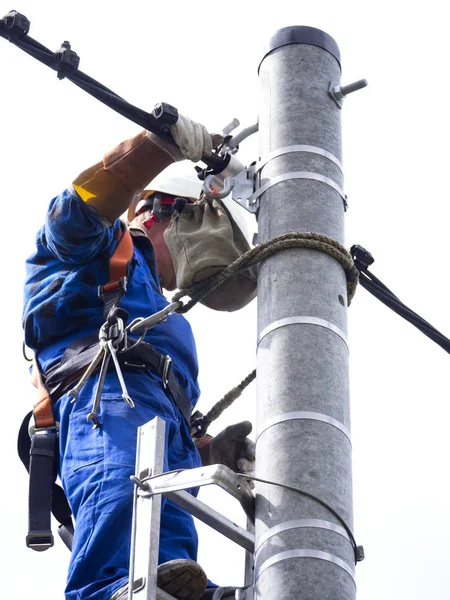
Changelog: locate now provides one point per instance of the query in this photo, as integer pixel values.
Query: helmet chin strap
(151, 221)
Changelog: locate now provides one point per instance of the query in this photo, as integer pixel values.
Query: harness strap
(42, 455)
(111, 293)
(39, 455)
(142, 356)
(43, 414)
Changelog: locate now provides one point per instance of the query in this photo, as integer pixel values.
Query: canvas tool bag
(204, 239)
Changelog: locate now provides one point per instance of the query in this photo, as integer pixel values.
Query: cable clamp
(66, 60)
(16, 24)
(362, 257)
(199, 425)
(167, 115)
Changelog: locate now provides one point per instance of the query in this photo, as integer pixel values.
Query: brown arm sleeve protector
(111, 185)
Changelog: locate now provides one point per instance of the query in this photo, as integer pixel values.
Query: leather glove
(192, 139)
(233, 448)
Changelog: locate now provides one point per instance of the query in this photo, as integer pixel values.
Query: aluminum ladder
(150, 483)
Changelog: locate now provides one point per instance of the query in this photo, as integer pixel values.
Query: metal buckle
(167, 368)
(43, 540)
(112, 286)
(32, 429)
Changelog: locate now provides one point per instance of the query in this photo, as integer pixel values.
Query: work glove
(233, 448)
(192, 140)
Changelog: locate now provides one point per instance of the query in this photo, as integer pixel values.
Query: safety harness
(38, 445)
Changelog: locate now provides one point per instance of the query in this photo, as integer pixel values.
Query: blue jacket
(61, 301)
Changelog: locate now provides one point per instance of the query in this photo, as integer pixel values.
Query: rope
(202, 423)
(308, 240)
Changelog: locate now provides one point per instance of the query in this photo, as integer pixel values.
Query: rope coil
(309, 240)
(287, 241)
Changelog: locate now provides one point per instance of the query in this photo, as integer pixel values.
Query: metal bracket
(243, 188)
(244, 185)
(219, 475)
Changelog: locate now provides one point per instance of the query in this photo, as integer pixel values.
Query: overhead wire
(14, 27)
(373, 285)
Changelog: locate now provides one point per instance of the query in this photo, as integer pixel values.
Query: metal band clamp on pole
(305, 415)
(303, 320)
(299, 524)
(297, 175)
(305, 553)
(298, 148)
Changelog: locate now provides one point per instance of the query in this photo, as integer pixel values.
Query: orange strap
(43, 414)
(118, 263)
(118, 269)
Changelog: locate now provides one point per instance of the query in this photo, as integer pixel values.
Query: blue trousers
(95, 469)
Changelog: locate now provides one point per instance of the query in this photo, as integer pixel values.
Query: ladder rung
(214, 519)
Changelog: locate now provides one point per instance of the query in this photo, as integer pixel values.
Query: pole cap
(299, 34)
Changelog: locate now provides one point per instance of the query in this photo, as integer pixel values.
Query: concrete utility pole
(303, 421)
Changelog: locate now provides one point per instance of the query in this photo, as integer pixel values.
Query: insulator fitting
(66, 60)
(16, 23)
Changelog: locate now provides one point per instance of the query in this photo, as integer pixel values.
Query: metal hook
(228, 185)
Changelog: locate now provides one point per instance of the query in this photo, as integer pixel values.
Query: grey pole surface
(303, 420)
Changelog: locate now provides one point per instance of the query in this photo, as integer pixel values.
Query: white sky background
(203, 57)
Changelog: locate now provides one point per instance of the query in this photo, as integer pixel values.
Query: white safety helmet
(175, 180)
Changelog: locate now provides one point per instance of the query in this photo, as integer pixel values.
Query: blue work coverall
(61, 305)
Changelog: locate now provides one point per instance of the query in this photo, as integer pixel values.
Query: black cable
(380, 291)
(358, 550)
(379, 283)
(17, 34)
(363, 259)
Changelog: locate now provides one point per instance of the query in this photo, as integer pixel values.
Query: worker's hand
(233, 448)
(192, 139)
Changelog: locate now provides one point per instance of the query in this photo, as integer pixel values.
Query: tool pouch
(203, 240)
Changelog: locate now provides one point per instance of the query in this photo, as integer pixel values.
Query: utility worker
(62, 306)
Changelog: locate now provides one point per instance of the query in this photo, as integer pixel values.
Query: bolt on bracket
(338, 92)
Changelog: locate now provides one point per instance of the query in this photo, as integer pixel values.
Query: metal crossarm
(151, 483)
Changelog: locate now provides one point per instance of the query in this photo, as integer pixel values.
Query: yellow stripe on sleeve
(84, 194)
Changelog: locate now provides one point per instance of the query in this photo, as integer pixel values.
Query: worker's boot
(182, 578)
